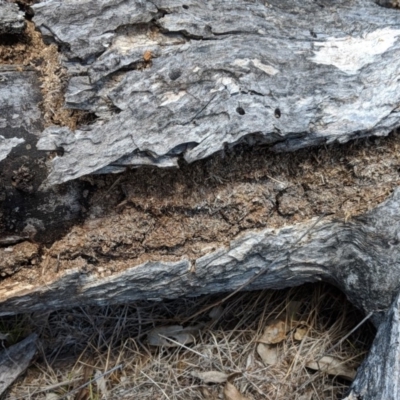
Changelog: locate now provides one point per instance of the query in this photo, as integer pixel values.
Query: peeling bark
(173, 80)
(189, 78)
(360, 257)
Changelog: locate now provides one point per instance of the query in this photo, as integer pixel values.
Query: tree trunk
(206, 98)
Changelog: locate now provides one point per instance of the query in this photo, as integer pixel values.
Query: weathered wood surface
(361, 257)
(168, 79)
(12, 20)
(6, 145)
(15, 360)
(23, 208)
(189, 77)
(379, 375)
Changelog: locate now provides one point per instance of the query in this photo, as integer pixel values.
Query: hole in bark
(60, 151)
(277, 113)
(185, 7)
(175, 74)
(240, 111)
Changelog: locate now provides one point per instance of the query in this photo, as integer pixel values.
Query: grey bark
(361, 257)
(12, 20)
(189, 77)
(15, 360)
(6, 145)
(168, 79)
(379, 376)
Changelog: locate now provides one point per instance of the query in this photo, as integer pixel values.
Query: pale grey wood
(25, 211)
(361, 257)
(379, 375)
(15, 360)
(6, 145)
(171, 78)
(12, 20)
(292, 73)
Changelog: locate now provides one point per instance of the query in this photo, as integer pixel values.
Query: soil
(28, 50)
(154, 214)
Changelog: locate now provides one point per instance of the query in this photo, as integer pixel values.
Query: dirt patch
(29, 50)
(14, 258)
(154, 214)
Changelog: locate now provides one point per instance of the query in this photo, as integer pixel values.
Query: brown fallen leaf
(231, 393)
(210, 376)
(332, 366)
(300, 333)
(268, 353)
(274, 332)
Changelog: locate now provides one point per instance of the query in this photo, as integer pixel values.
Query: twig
(155, 383)
(334, 347)
(346, 336)
(91, 381)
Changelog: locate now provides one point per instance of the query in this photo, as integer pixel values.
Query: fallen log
(170, 84)
(190, 78)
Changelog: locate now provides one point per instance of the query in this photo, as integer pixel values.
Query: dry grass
(102, 353)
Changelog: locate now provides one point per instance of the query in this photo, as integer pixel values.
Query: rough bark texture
(173, 80)
(190, 77)
(12, 20)
(23, 207)
(379, 376)
(15, 360)
(361, 257)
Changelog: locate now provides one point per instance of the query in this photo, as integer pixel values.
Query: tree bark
(170, 83)
(190, 78)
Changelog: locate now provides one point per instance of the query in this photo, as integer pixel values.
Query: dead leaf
(159, 336)
(300, 333)
(101, 383)
(268, 353)
(249, 361)
(210, 376)
(231, 393)
(332, 366)
(206, 393)
(274, 332)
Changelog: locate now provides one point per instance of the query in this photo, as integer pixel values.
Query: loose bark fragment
(15, 360)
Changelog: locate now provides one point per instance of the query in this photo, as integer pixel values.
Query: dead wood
(15, 359)
(168, 84)
(190, 78)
